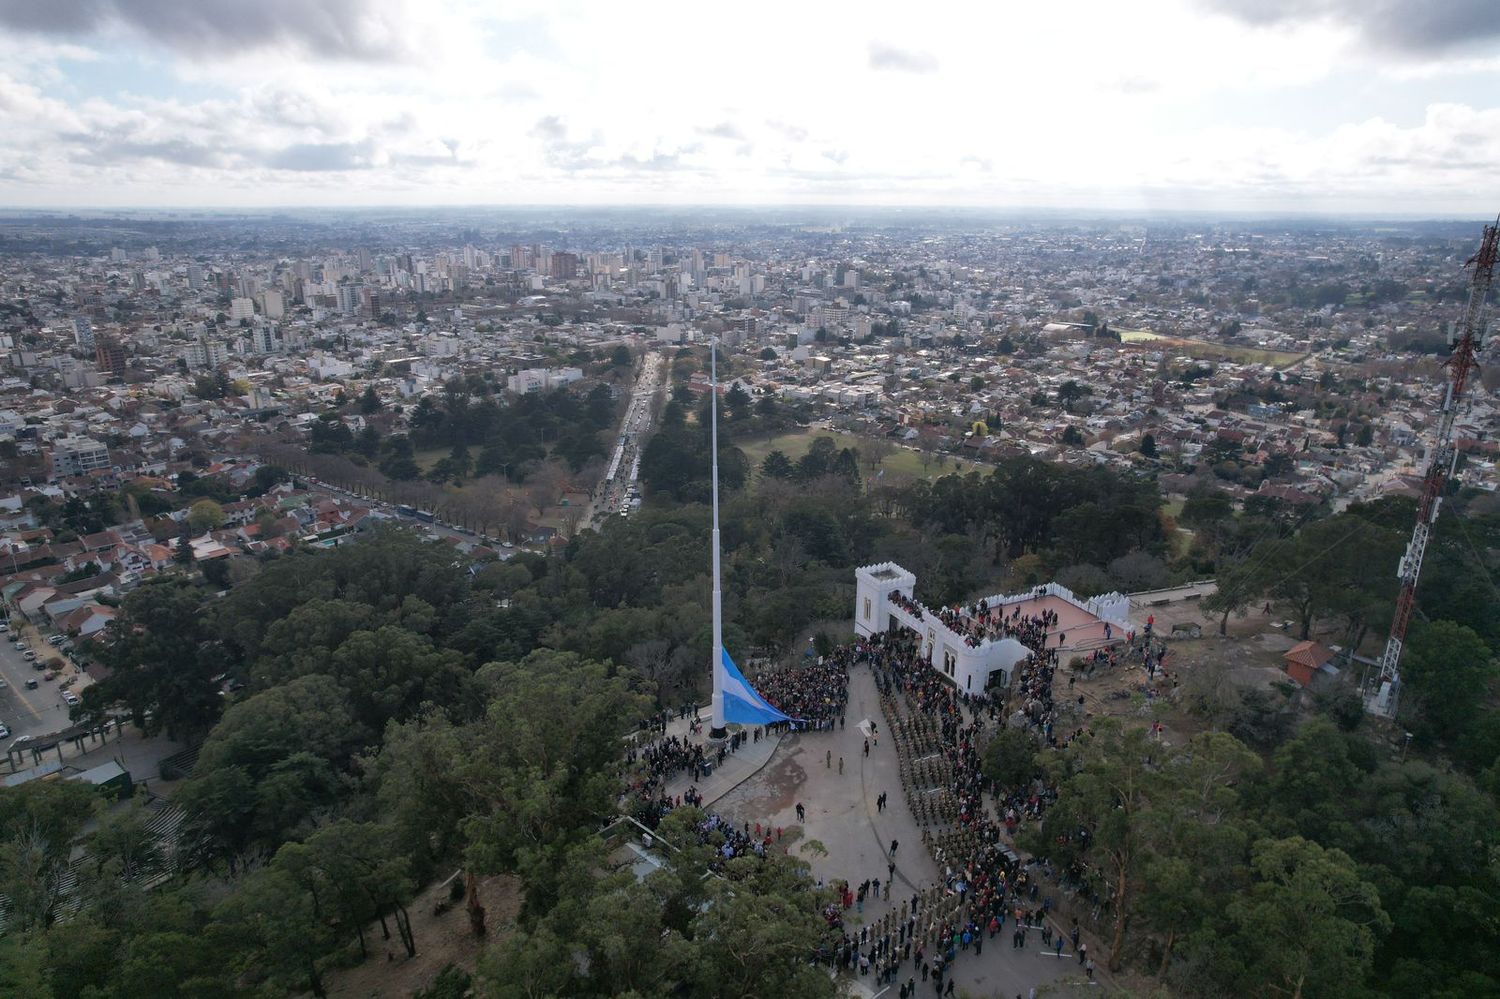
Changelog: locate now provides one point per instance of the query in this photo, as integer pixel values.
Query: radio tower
(1467, 338)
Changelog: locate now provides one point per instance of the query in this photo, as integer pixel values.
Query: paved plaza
(841, 818)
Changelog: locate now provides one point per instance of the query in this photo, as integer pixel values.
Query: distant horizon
(1238, 108)
(1020, 213)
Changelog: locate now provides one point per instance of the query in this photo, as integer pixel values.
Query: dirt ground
(1249, 655)
(441, 940)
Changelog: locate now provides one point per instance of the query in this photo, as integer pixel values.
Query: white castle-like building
(885, 599)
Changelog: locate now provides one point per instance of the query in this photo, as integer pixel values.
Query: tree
(1206, 508)
(1196, 839)
(1071, 437)
(738, 401)
(369, 402)
(1107, 780)
(1237, 584)
(205, 515)
(125, 839)
(1309, 924)
(1010, 759)
(541, 771)
(1446, 671)
(1138, 570)
(272, 925)
(777, 465)
(38, 823)
(1148, 446)
(389, 673)
(620, 356)
(163, 656)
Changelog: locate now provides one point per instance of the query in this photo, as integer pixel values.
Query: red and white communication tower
(1467, 337)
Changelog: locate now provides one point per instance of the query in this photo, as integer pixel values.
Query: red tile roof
(1309, 654)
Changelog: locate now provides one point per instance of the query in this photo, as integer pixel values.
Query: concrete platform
(1074, 624)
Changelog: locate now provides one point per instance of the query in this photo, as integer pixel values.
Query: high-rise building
(369, 302)
(564, 266)
(349, 298)
(76, 455)
(241, 308)
(194, 276)
(205, 353)
(263, 340)
(272, 305)
(109, 355)
(83, 333)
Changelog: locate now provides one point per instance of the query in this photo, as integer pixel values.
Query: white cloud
(1091, 103)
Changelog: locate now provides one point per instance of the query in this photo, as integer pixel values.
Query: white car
(4, 732)
(70, 698)
(55, 639)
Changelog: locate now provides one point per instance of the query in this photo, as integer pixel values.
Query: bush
(1343, 705)
(452, 982)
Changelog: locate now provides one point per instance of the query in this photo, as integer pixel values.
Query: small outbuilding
(1305, 659)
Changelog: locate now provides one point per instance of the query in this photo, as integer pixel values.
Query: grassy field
(1206, 351)
(428, 456)
(900, 463)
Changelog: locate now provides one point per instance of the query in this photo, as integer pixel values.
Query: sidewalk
(738, 767)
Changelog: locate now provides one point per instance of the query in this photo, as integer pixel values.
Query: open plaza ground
(844, 837)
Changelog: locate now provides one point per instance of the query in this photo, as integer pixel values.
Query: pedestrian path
(737, 767)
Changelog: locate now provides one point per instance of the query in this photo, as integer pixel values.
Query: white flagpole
(717, 729)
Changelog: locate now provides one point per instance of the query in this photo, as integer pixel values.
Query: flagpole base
(718, 733)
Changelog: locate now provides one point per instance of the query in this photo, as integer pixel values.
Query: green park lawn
(900, 463)
(1207, 351)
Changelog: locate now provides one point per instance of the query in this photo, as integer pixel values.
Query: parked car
(4, 732)
(31, 683)
(55, 639)
(50, 675)
(29, 656)
(21, 646)
(70, 698)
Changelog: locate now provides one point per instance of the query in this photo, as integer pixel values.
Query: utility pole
(1467, 337)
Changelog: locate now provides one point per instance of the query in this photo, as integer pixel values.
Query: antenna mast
(1466, 337)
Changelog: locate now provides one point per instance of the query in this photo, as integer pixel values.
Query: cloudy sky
(1362, 106)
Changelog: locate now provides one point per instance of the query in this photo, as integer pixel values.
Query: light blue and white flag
(742, 704)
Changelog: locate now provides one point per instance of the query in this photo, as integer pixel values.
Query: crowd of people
(981, 877)
(983, 887)
(813, 691)
(980, 623)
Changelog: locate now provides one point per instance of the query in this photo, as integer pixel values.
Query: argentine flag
(741, 703)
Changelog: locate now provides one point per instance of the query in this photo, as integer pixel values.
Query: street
(618, 493)
(39, 711)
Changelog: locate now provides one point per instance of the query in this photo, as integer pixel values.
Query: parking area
(40, 682)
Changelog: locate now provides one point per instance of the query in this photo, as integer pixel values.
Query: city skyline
(1198, 105)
